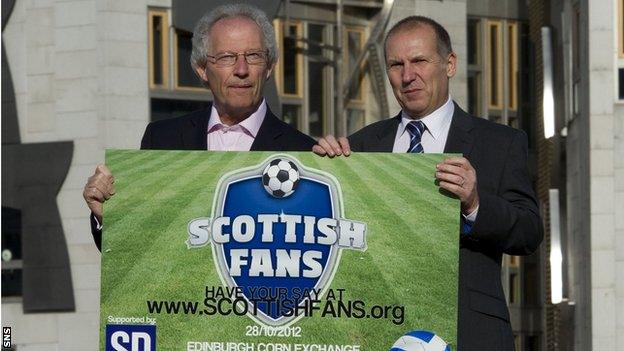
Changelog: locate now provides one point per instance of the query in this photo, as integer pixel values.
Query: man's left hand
(457, 175)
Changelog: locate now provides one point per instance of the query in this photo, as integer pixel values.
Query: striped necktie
(415, 130)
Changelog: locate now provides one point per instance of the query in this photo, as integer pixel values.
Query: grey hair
(201, 39)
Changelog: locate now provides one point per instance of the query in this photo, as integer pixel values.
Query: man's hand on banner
(99, 188)
(457, 175)
(330, 146)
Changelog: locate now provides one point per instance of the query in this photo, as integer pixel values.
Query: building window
(158, 38)
(291, 114)
(512, 66)
(175, 89)
(289, 70)
(353, 48)
(474, 67)
(620, 33)
(304, 74)
(495, 65)
(493, 77)
(317, 83)
(184, 75)
(356, 107)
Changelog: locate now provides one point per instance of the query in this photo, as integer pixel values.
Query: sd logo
(277, 232)
(121, 337)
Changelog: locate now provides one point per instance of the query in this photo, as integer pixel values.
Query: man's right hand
(330, 146)
(100, 187)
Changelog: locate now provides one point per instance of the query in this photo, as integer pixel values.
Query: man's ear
(201, 73)
(451, 65)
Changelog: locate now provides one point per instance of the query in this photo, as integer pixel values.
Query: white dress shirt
(437, 125)
(437, 128)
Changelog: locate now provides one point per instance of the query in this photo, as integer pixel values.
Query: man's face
(237, 89)
(418, 75)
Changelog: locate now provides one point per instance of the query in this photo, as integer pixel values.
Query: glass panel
(514, 288)
(494, 66)
(157, 49)
(185, 74)
(474, 93)
(512, 66)
(290, 114)
(531, 281)
(473, 41)
(316, 81)
(170, 108)
(289, 60)
(354, 48)
(355, 120)
(621, 83)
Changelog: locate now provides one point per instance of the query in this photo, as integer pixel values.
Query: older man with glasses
(234, 53)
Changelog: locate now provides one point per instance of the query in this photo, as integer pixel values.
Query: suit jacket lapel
(269, 131)
(386, 135)
(195, 136)
(459, 139)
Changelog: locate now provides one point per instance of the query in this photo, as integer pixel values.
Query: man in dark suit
(234, 53)
(499, 212)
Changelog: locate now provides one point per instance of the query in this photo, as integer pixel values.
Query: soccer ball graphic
(420, 340)
(280, 178)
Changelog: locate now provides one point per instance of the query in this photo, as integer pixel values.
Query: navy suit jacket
(508, 220)
(189, 132)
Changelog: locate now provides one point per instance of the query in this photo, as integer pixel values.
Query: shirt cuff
(98, 225)
(468, 221)
(472, 217)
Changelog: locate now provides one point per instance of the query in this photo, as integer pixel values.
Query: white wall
(80, 73)
(606, 179)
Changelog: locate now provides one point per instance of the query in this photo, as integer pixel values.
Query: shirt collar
(250, 124)
(435, 121)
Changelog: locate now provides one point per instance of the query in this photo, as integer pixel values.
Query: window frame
(476, 68)
(360, 101)
(164, 15)
(497, 102)
(279, 25)
(512, 69)
(620, 50)
(176, 83)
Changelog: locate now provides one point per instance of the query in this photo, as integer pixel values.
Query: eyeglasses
(228, 59)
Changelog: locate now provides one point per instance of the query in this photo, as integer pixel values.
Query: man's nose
(241, 67)
(409, 73)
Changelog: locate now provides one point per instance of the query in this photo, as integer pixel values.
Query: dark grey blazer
(508, 220)
(189, 132)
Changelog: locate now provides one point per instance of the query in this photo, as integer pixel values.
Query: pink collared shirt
(238, 137)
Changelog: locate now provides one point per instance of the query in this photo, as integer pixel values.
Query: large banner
(231, 251)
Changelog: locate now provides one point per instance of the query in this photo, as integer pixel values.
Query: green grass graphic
(411, 259)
